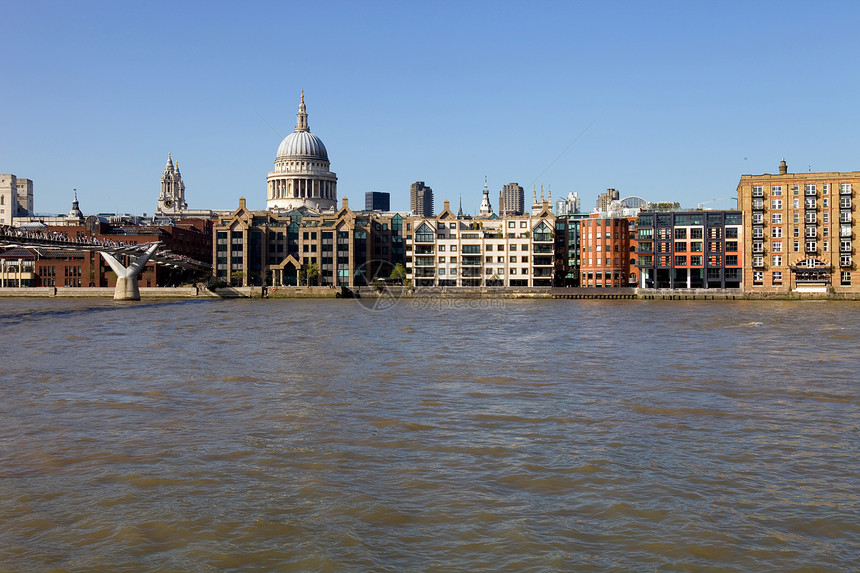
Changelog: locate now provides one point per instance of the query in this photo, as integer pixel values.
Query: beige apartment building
(801, 231)
(516, 251)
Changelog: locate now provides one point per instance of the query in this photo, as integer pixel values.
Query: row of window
(776, 277)
(808, 189)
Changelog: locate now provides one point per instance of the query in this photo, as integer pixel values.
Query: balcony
(547, 249)
(845, 190)
(758, 204)
(542, 273)
(811, 192)
(471, 261)
(810, 205)
(846, 234)
(423, 273)
(758, 262)
(425, 261)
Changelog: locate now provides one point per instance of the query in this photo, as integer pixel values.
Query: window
(810, 217)
(775, 246)
(776, 218)
(757, 191)
(523, 224)
(511, 224)
(513, 259)
(845, 276)
(696, 233)
(423, 234)
(441, 259)
(758, 277)
(526, 259)
(776, 277)
(732, 260)
(731, 232)
(680, 233)
(811, 246)
(440, 225)
(758, 233)
(795, 217)
(680, 247)
(795, 247)
(795, 190)
(500, 247)
(776, 190)
(776, 204)
(809, 189)
(696, 261)
(776, 232)
(795, 203)
(513, 271)
(825, 202)
(776, 260)
(441, 271)
(442, 248)
(680, 261)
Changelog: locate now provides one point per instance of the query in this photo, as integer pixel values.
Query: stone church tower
(171, 201)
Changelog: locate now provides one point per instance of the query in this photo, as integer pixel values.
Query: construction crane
(701, 206)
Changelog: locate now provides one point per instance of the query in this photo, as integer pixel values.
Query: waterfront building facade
(606, 240)
(302, 178)
(421, 199)
(511, 251)
(568, 246)
(690, 249)
(289, 248)
(802, 230)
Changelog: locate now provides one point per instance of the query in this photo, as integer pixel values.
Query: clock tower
(171, 201)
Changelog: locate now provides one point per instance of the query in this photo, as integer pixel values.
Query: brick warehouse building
(801, 231)
(690, 249)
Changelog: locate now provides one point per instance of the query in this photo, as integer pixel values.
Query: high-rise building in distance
(512, 200)
(604, 199)
(421, 200)
(377, 201)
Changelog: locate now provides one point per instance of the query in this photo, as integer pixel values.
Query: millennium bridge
(140, 254)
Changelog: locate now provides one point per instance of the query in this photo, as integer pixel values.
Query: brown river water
(452, 435)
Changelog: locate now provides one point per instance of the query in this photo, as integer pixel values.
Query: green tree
(236, 278)
(310, 274)
(398, 272)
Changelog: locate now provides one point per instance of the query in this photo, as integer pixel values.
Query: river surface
(452, 435)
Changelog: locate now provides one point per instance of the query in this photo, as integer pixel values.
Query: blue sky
(668, 100)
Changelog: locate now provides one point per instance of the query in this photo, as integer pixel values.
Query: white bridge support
(126, 278)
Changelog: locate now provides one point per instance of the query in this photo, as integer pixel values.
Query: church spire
(169, 166)
(302, 116)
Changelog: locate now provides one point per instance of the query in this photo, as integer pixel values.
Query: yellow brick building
(801, 231)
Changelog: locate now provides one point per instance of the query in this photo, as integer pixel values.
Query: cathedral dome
(304, 145)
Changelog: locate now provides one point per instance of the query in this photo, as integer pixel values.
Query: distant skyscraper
(421, 200)
(568, 206)
(377, 201)
(604, 199)
(512, 200)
